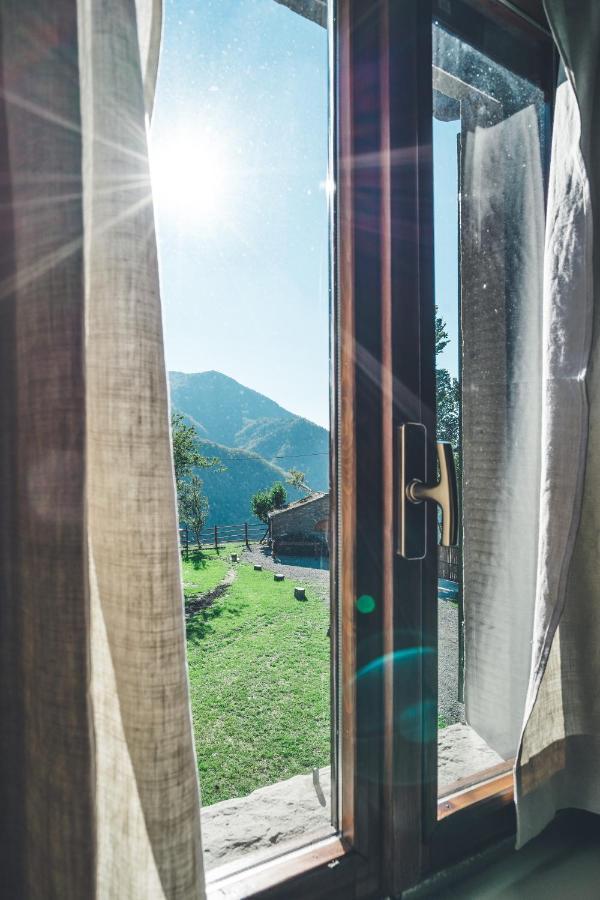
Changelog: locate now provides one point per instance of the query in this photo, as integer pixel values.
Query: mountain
(257, 441)
(221, 405)
(244, 474)
(295, 444)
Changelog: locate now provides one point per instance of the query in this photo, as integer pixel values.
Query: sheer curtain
(557, 766)
(98, 783)
(502, 232)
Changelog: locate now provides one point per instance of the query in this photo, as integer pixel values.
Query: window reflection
(489, 137)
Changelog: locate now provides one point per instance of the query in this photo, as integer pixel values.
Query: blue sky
(445, 212)
(246, 293)
(239, 151)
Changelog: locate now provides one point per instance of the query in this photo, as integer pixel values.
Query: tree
(447, 393)
(264, 502)
(297, 480)
(448, 407)
(186, 455)
(193, 506)
(441, 334)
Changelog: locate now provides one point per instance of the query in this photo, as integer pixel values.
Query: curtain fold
(557, 764)
(98, 784)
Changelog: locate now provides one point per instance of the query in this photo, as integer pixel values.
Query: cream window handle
(444, 493)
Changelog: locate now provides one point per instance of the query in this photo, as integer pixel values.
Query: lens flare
(192, 178)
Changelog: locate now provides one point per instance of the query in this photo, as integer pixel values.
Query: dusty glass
(489, 140)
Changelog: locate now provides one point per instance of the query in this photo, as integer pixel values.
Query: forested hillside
(257, 441)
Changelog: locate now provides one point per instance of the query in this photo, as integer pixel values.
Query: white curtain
(98, 783)
(502, 227)
(557, 765)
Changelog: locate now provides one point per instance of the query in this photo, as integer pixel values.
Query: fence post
(246, 534)
(216, 539)
(187, 542)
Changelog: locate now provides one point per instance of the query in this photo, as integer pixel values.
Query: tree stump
(300, 593)
(278, 577)
(257, 568)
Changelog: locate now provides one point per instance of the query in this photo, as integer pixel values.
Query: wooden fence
(450, 563)
(218, 536)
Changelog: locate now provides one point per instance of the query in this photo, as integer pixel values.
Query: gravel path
(450, 710)
(449, 707)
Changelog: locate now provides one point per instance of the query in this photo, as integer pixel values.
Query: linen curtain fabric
(502, 234)
(557, 764)
(98, 783)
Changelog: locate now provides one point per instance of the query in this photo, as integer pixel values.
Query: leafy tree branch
(297, 480)
(264, 502)
(186, 455)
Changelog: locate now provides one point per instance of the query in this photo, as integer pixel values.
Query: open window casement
(439, 153)
(439, 157)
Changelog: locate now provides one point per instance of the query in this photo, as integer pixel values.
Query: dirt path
(201, 601)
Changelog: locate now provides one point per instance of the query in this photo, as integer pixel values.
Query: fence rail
(218, 535)
(449, 558)
(450, 563)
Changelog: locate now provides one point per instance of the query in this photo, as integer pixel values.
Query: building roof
(304, 501)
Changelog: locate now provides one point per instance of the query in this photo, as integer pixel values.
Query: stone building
(302, 527)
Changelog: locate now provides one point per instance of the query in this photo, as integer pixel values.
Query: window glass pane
(489, 139)
(239, 145)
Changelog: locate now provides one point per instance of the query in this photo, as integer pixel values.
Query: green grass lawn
(204, 569)
(259, 678)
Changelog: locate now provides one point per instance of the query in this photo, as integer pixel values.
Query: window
(239, 154)
(315, 288)
(490, 143)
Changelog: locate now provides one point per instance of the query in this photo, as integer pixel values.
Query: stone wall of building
(307, 518)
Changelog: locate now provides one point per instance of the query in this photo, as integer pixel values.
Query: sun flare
(192, 178)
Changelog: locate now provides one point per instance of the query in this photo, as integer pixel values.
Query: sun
(192, 178)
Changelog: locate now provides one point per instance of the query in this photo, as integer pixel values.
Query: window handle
(444, 493)
(415, 490)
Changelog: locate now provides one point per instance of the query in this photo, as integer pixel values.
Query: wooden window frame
(442, 830)
(394, 831)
